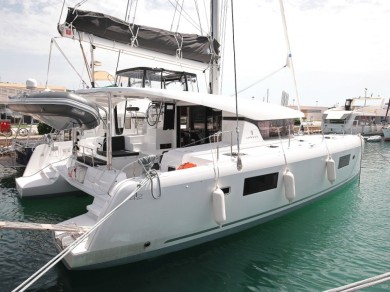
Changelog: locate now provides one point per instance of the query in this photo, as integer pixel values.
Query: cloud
(27, 24)
(343, 38)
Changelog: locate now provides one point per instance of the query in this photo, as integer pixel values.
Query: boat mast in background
(214, 63)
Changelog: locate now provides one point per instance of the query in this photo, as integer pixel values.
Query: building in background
(312, 113)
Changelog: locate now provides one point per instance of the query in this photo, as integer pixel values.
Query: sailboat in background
(170, 169)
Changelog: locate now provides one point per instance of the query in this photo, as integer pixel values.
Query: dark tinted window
(260, 183)
(344, 160)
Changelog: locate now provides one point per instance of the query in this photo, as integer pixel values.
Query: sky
(340, 48)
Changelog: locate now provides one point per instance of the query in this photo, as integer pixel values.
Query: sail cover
(188, 46)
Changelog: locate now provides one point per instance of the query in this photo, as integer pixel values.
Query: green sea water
(335, 241)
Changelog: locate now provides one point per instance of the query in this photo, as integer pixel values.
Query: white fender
(219, 206)
(331, 169)
(289, 185)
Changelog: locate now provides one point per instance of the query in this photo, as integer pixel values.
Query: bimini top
(60, 110)
(250, 109)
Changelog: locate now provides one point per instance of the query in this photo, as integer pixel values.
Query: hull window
(226, 190)
(260, 183)
(344, 161)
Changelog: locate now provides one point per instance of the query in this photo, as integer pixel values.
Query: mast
(289, 56)
(214, 65)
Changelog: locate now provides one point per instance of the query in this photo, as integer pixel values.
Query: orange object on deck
(186, 165)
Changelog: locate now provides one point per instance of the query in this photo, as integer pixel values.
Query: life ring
(186, 165)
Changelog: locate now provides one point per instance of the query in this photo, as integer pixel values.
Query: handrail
(84, 154)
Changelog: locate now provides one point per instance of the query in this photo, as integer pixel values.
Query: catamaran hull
(41, 186)
(79, 263)
(41, 178)
(184, 215)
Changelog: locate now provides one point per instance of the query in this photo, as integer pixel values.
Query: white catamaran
(362, 115)
(171, 169)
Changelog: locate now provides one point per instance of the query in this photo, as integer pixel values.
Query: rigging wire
(207, 19)
(117, 64)
(135, 11)
(86, 62)
(263, 78)
(48, 63)
(281, 144)
(197, 12)
(239, 163)
(127, 16)
(181, 12)
(186, 16)
(80, 3)
(223, 11)
(128, 7)
(174, 15)
(62, 10)
(81, 78)
(289, 56)
(222, 30)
